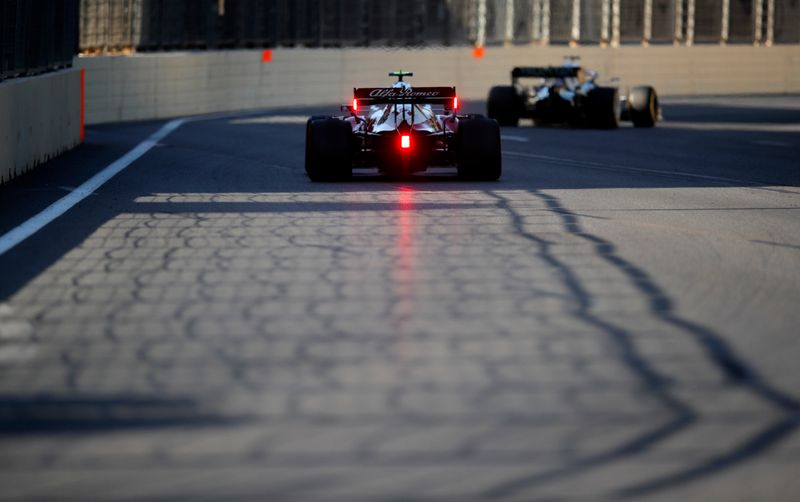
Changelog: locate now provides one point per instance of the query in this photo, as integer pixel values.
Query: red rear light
(355, 105)
(455, 103)
(405, 141)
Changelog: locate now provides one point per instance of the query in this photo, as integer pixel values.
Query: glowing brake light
(455, 103)
(405, 141)
(355, 104)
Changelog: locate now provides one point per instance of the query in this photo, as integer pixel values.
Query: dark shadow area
(696, 145)
(261, 207)
(82, 414)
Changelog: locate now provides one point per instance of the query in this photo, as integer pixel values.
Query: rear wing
(545, 71)
(391, 95)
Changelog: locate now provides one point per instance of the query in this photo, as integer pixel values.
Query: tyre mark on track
(738, 372)
(777, 244)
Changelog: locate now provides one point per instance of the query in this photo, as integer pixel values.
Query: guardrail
(147, 86)
(41, 117)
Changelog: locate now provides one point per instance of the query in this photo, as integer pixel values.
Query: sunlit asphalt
(616, 318)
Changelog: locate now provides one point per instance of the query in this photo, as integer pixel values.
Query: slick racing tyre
(308, 143)
(478, 149)
(503, 105)
(643, 106)
(329, 153)
(603, 108)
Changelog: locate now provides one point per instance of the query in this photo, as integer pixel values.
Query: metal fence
(150, 25)
(37, 36)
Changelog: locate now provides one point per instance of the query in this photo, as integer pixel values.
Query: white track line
(64, 204)
(519, 139)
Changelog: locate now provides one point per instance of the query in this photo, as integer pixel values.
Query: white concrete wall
(40, 117)
(145, 86)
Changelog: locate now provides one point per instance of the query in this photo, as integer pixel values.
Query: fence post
(615, 15)
(689, 23)
(770, 23)
(575, 34)
(758, 28)
(605, 13)
(130, 24)
(545, 22)
(107, 31)
(647, 32)
(509, 36)
(481, 36)
(726, 20)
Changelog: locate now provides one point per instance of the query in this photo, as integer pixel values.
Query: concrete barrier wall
(40, 117)
(145, 86)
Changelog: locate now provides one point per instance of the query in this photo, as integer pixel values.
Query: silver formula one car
(569, 94)
(402, 130)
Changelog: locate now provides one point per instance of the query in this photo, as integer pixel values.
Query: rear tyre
(478, 149)
(329, 149)
(602, 108)
(308, 143)
(503, 105)
(643, 106)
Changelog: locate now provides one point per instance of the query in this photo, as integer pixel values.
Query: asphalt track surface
(616, 319)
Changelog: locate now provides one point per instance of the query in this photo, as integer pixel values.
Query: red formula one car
(402, 130)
